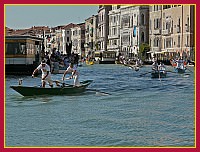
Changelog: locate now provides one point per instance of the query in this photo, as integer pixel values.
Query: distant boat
(180, 70)
(89, 62)
(158, 74)
(158, 71)
(179, 66)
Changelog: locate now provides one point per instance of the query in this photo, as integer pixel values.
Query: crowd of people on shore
(56, 60)
(137, 61)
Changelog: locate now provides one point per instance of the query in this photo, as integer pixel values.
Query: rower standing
(46, 74)
(155, 65)
(161, 66)
(75, 74)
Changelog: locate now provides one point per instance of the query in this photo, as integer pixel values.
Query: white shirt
(71, 70)
(44, 69)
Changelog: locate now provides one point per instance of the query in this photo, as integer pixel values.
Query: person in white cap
(46, 74)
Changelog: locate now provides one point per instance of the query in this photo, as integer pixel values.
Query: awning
(169, 51)
(151, 52)
(158, 52)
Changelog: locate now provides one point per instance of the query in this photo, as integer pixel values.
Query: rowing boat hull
(38, 91)
(158, 74)
(179, 70)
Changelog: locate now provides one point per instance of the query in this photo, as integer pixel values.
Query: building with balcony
(134, 29)
(78, 39)
(66, 38)
(103, 27)
(172, 31)
(90, 35)
(114, 29)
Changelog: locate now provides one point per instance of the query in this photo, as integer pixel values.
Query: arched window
(156, 42)
(142, 19)
(142, 37)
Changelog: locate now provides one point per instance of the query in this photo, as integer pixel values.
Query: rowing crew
(46, 74)
(157, 67)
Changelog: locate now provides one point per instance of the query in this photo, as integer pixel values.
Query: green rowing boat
(62, 90)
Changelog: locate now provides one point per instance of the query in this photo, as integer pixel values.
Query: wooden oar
(144, 73)
(55, 81)
(171, 71)
(105, 93)
(159, 77)
(136, 68)
(61, 82)
(188, 69)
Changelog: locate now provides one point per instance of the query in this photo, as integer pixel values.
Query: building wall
(114, 30)
(173, 35)
(134, 29)
(66, 39)
(169, 30)
(90, 35)
(78, 39)
(103, 23)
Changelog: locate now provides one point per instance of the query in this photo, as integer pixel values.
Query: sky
(26, 16)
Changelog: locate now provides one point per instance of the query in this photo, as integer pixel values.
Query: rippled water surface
(128, 110)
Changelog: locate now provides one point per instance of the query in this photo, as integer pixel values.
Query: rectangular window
(125, 39)
(156, 23)
(187, 41)
(168, 42)
(125, 20)
(114, 31)
(179, 41)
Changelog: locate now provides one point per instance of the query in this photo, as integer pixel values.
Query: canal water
(127, 110)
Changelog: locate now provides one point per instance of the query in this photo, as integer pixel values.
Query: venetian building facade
(66, 38)
(172, 31)
(78, 39)
(134, 29)
(114, 29)
(90, 35)
(51, 40)
(42, 32)
(58, 39)
(47, 40)
(103, 27)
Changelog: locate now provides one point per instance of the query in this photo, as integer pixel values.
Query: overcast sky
(26, 16)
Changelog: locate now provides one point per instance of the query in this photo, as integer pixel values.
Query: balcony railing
(167, 31)
(113, 36)
(155, 49)
(112, 46)
(157, 31)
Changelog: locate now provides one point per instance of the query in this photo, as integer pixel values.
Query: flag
(134, 31)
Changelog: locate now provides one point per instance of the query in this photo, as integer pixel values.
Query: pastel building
(172, 31)
(78, 39)
(91, 35)
(134, 29)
